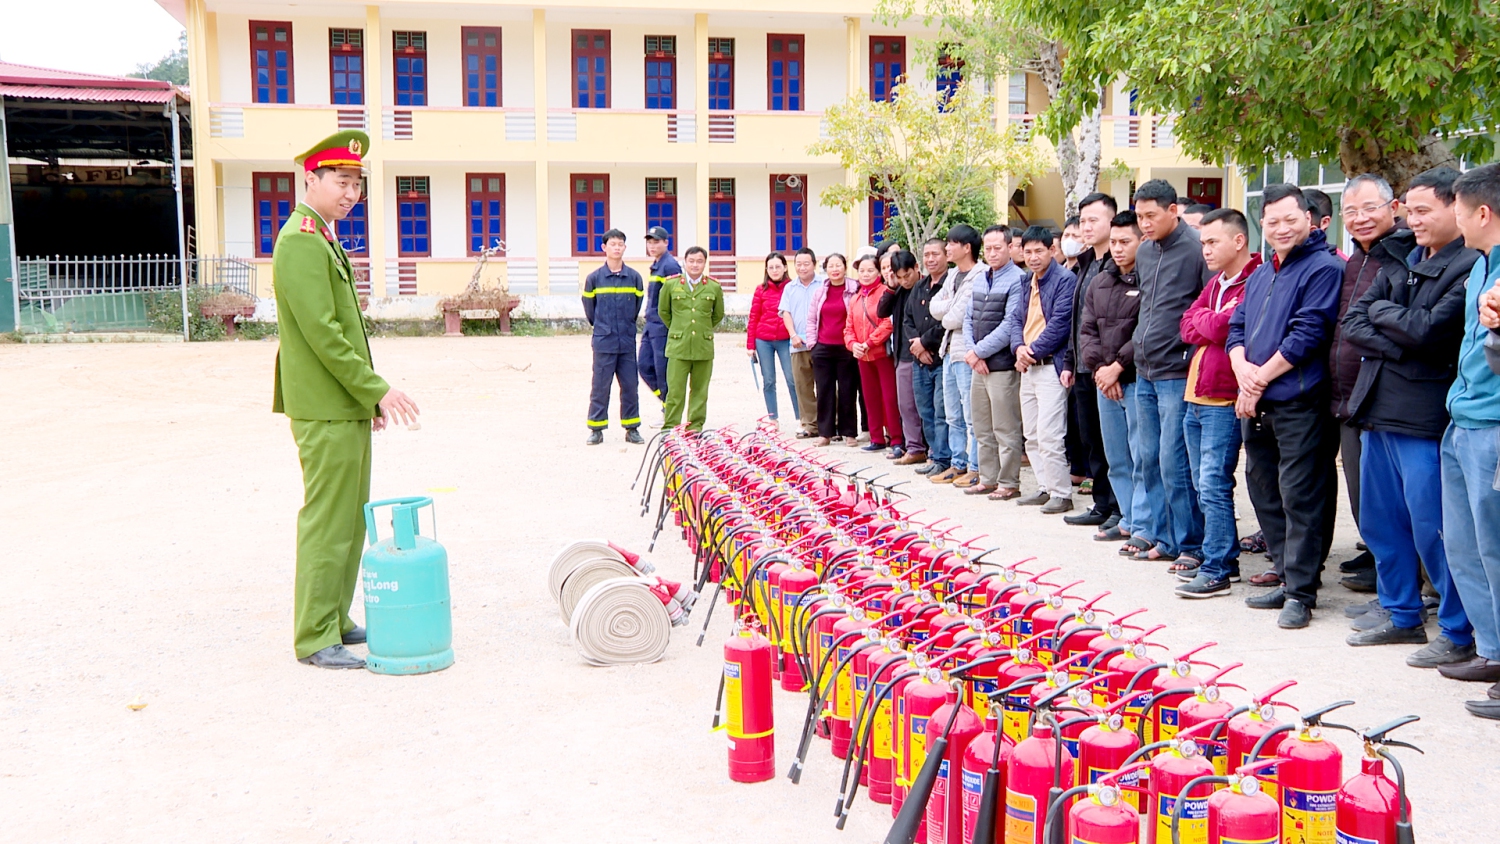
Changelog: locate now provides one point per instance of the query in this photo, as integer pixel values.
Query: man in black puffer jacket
(1407, 328)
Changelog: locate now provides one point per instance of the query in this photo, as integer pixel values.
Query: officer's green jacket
(691, 317)
(323, 367)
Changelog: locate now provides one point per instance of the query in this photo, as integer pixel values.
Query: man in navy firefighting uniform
(612, 298)
(653, 355)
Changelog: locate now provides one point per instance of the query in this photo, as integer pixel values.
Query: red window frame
(272, 88)
(885, 72)
(481, 53)
(590, 212)
(274, 197)
(721, 74)
(596, 70)
(486, 210)
(722, 212)
(791, 58)
(661, 67)
(353, 59)
(414, 59)
(788, 206)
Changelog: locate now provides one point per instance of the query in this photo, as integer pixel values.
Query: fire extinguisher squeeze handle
(1377, 735)
(1315, 717)
(1183, 798)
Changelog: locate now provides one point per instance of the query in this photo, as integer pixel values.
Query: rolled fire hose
(620, 621)
(572, 556)
(586, 574)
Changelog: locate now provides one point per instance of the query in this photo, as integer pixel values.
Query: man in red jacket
(1209, 424)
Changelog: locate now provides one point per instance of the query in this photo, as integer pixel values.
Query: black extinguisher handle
(1404, 833)
(1051, 831)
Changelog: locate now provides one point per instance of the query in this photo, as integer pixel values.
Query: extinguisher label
(1342, 837)
(882, 728)
(1194, 823)
(1308, 816)
(1016, 721)
(1272, 840)
(842, 702)
(734, 718)
(1166, 723)
(937, 806)
(1020, 818)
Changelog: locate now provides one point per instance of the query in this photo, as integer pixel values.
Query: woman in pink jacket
(865, 333)
(766, 335)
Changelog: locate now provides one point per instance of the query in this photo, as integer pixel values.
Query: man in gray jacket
(992, 324)
(1172, 274)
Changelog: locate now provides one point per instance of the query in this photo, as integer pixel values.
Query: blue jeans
(1176, 520)
(1401, 519)
(766, 351)
(1115, 425)
(958, 380)
(927, 383)
(1471, 529)
(1213, 447)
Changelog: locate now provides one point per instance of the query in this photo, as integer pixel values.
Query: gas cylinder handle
(404, 522)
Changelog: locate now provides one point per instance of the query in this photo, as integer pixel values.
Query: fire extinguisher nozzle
(795, 774)
(840, 823)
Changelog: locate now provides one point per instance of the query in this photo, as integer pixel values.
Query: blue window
(274, 199)
(590, 195)
(950, 74)
(353, 230)
(661, 208)
(882, 218)
(661, 71)
(591, 68)
(721, 216)
(887, 64)
(413, 216)
(481, 58)
(784, 72)
(721, 74)
(411, 68)
(271, 61)
(346, 66)
(788, 213)
(486, 197)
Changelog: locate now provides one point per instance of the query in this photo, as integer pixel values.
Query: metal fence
(120, 293)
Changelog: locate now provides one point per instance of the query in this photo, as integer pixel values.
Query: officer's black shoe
(595, 438)
(1273, 600)
(1092, 517)
(355, 636)
(633, 436)
(333, 656)
(1360, 581)
(1364, 561)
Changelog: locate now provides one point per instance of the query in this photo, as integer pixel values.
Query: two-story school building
(538, 126)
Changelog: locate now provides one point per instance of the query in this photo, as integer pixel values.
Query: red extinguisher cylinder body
(747, 705)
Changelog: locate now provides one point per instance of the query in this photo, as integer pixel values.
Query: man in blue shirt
(653, 356)
(1471, 504)
(612, 302)
(1278, 346)
(795, 298)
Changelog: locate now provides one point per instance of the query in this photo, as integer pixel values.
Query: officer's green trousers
(682, 376)
(330, 527)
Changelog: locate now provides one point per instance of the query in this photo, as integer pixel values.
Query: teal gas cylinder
(408, 619)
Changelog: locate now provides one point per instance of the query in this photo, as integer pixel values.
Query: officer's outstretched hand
(396, 407)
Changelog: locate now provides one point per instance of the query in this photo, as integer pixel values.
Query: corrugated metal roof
(91, 95)
(24, 74)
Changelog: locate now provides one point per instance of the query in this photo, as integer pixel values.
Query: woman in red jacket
(766, 336)
(865, 333)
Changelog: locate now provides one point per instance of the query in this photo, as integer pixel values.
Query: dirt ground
(150, 500)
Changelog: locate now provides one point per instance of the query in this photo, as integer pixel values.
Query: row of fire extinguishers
(983, 702)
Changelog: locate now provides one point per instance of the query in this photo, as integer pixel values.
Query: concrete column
(543, 188)
(856, 223)
(700, 148)
(375, 203)
(207, 203)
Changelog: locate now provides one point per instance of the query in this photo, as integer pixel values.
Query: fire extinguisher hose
(621, 622)
(571, 557)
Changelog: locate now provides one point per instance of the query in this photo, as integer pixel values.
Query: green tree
(1393, 86)
(173, 67)
(994, 38)
(932, 157)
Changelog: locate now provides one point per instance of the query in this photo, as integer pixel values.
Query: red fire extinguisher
(1309, 775)
(1240, 814)
(747, 703)
(1207, 704)
(1370, 807)
(798, 584)
(983, 781)
(1169, 688)
(945, 805)
(1028, 780)
(1105, 747)
(1171, 772)
(1247, 726)
(1104, 818)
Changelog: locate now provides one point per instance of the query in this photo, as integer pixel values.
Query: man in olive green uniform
(326, 385)
(691, 306)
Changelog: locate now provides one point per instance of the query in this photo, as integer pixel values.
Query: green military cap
(342, 149)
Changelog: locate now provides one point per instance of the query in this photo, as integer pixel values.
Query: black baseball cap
(657, 233)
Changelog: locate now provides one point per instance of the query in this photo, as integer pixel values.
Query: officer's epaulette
(309, 226)
(673, 277)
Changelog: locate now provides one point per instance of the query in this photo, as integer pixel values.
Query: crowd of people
(1132, 358)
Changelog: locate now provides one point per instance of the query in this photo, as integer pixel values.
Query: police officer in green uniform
(691, 306)
(327, 387)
